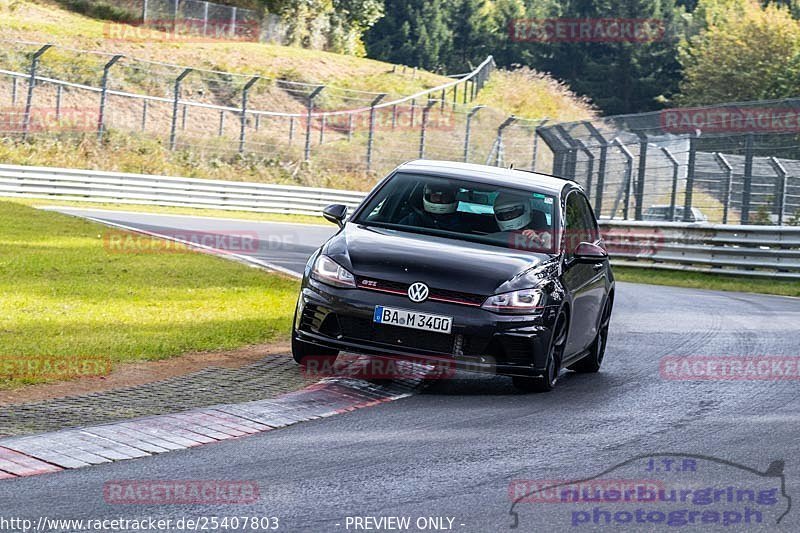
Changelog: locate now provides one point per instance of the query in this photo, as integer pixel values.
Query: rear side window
(580, 223)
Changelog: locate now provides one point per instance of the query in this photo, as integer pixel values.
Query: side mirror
(335, 213)
(587, 252)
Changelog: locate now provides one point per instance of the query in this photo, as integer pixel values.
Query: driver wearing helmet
(439, 208)
(514, 213)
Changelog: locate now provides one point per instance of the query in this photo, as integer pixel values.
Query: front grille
(362, 329)
(457, 297)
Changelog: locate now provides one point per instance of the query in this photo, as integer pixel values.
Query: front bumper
(480, 340)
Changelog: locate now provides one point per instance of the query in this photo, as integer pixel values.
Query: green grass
(66, 296)
(700, 280)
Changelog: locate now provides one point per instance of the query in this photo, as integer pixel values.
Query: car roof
(490, 175)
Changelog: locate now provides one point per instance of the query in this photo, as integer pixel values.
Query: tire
(301, 351)
(591, 363)
(548, 381)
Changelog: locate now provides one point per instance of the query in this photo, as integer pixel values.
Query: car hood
(439, 262)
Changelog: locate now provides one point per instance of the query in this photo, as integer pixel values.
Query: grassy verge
(66, 297)
(700, 280)
(166, 210)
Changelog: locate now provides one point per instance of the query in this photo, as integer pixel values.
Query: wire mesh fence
(731, 163)
(735, 163)
(59, 90)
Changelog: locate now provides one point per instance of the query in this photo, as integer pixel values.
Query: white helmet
(439, 198)
(512, 212)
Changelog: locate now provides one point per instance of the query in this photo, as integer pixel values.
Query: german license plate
(412, 319)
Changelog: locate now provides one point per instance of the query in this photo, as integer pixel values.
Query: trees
(413, 32)
(741, 52)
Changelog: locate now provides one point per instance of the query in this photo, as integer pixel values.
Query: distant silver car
(661, 212)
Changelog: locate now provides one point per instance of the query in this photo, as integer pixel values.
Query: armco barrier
(112, 187)
(765, 251)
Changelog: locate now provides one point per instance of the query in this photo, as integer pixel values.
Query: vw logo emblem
(418, 292)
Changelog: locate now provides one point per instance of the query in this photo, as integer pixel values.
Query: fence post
(243, 125)
(780, 198)
(59, 92)
(371, 137)
(144, 114)
(589, 165)
(747, 180)
(728, 170)
(641, 175)
(233, 22)
(464, 96)
(627, 182)
(291, 130)
(221, 122)
(175, 15)
(309, 109)
(675, 171)
(455, 96)
(690, 167)
(498, 159)
(205, 18)
(424, 126)
(535, 150)
(101, 119)
(175, 95)
(601, 166)
(26, 118)
(14, 91)
(144, 11)
(350, 127)
(321, 129)
(571, 162)
(413, 111)
(468, 132)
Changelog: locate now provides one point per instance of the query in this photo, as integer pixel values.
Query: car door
(584, 281)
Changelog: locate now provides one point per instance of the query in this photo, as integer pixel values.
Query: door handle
(597, 267)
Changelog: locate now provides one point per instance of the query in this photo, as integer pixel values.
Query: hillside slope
(208, 138)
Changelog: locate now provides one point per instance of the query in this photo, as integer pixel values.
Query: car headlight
(522, 302)
(326, 270)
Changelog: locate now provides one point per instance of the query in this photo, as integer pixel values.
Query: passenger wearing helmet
(439, 208)
(513, 213)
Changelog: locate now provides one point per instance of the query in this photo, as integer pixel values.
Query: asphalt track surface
(454, 450)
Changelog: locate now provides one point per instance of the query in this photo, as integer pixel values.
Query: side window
(580, 223)
(592, 231)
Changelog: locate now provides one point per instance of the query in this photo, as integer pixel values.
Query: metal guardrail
(764, 251)
(112, 187)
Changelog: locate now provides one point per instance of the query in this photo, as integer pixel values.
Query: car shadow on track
(476, 384)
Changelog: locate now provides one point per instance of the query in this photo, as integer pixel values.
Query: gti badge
(418, 292)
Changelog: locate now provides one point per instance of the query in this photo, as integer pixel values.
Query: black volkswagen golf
(482, 267)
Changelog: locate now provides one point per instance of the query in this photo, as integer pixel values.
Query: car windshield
(466, 210)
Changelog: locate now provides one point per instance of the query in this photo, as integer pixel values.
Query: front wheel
(302, 352)
(547, 381)
(591, 363)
